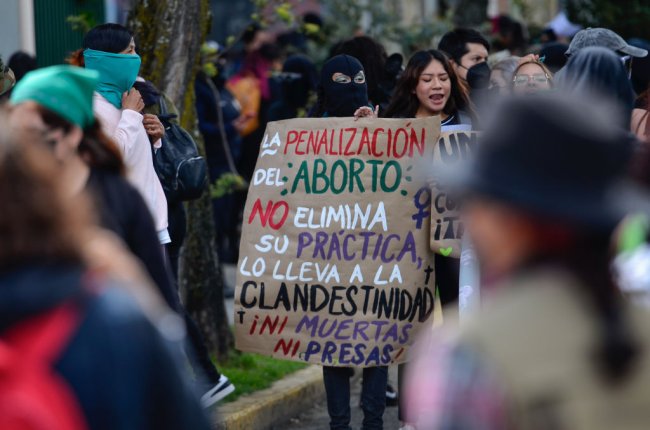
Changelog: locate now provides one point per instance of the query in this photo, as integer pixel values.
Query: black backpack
(180, 168)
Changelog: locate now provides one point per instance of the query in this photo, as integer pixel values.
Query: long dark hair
(110, 37)
(95, 148)
(405, 104)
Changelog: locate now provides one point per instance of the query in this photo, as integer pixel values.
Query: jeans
(373, 396)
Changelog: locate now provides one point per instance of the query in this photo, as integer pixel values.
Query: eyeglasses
(539, 78)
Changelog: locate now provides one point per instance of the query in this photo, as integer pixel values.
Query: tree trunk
(169, 35)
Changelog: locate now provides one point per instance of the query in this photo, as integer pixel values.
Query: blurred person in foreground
(554, 346)
(57, 102)
(105, 365)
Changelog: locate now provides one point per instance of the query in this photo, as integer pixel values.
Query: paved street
(317, 418)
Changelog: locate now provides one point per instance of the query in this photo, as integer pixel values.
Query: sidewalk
(265, 409)
(296, 402)
(317, 418)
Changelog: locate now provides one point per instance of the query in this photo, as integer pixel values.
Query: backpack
(32, 395)
(180, 168)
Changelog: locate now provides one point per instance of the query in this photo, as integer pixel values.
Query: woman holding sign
(343, 92)
(428, 87)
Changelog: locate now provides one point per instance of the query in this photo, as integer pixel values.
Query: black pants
(197, 353)
(447, 274)
(373, 396)
(195, 349)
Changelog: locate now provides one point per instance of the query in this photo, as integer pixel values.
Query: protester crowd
(94, 334)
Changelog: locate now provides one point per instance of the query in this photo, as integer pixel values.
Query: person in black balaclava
(297, 80)
(343, 92)
(381, 70)
(342, 89)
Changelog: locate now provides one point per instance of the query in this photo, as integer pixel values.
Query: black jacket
(122, 210)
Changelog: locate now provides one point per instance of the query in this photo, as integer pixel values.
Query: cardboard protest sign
(453, 149)
(335, 266)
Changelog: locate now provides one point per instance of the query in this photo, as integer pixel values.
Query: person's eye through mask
(341, 78)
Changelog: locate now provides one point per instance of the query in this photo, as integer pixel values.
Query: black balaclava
(344, 86)
(299, 77)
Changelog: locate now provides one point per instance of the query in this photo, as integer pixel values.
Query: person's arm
(126, 130)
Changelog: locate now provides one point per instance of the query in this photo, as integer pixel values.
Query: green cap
(65, 90)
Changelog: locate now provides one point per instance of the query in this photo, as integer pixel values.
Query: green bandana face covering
(117, 73)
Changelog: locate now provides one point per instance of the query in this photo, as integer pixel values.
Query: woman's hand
(241, 121)
(132, 100)
(366, 112)
(527, 59)
(153, 126)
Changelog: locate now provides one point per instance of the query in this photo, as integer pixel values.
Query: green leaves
(82, 22)
(227, 183)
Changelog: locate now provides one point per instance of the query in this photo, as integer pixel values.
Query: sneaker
(391, 396)
(218, 392)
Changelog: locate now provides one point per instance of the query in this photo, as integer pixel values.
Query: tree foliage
(629, 18)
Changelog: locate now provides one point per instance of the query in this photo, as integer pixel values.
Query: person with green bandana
(110, 50)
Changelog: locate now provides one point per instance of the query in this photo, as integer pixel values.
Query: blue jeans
(373, 396)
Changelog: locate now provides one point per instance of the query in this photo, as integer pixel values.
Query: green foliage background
(629, 18)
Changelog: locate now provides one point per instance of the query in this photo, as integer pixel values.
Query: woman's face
(433, 89)
(498, 81)
(130, 50)
(530, 79)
